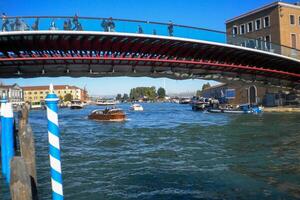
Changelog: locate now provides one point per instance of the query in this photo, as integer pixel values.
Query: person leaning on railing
(5, 22)
(171, 28)
(35, 25)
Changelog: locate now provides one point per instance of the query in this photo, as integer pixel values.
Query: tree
(141, 92)
(68, 97)
(119, 97)
(125, 97)
(205, 86)
(198, 93)
(161, 92)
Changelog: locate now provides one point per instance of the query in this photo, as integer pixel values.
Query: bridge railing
(26, 23)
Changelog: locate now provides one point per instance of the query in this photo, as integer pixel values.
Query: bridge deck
(87, 53)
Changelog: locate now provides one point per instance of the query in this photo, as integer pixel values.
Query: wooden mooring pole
(20, 184)
(27, 148)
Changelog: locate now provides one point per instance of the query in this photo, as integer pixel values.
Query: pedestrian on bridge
(171, 28)
(104, 25)
(35, 26)
(140, 29)
(18, 24)
(5, 22)
(111, 25)
(75, 22)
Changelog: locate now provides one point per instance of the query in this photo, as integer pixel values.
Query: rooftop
(274, 4)
(46, 87)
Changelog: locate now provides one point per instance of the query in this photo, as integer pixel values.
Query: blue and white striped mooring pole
(7, 140)
(54, 147)
(3, 139)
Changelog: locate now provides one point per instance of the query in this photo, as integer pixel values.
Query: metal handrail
(237, 40)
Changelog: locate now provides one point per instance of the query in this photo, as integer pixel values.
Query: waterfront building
(14, 93)
(241, 94)
(38, 93)
(276, 23)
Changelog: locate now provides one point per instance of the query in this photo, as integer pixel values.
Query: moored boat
(106, 102)
(76, 104)
(113, 114)
(136, 107)
(241, 109)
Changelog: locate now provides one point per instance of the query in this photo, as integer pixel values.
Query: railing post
(3, 139)
(54, 146)
(8, 136)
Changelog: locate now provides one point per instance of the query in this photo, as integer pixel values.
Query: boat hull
(76, 107)
(107, 117)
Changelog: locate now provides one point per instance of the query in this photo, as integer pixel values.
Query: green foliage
(205, 86)
(125, 97)
(68, 97)
(161, 92)
(143, 92)
(198, 93)
(119, 97)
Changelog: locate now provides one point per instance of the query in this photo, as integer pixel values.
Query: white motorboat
(136, 107)
(76, 104)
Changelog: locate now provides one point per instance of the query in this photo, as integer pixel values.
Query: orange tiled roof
(46, 87)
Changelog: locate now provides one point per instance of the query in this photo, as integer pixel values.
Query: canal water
(170, 152)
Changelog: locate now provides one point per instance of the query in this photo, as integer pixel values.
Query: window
(257, 24)
(234, 30)
(35, 92)
(230, 93)
(293, 41)
(242, 29)
(266, 21)
(250, 27)
(299, 20)
(41, 92)
(259, 43)
(268, 42)
(292, 19)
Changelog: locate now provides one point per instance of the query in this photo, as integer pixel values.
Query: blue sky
(201, 13)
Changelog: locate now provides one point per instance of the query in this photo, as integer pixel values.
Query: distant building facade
(277, 23)
(14, 93)
(39, 93)
(251, 94)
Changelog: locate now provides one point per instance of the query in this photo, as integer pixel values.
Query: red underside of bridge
(66, 54)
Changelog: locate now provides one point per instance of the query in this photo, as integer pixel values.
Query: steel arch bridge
(53, 53)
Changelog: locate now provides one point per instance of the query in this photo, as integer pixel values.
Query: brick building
(241, 94)
(276, 23)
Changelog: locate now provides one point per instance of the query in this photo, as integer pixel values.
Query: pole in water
(3, 139)
(8, 127)
(54, 147)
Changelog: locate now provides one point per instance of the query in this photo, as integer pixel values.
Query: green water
(170, 152)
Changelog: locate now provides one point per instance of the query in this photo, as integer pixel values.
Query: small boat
(37, 105)
(241, 109)
(184, 100)
(199, 103)
(113, 114)
(106, 102)
(136, 107)
(76, 104)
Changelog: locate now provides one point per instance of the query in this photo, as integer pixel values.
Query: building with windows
(39, 93)
(252, 94)
(14, 93)
(263, 28)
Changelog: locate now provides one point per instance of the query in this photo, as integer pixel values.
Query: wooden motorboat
(114, 114)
